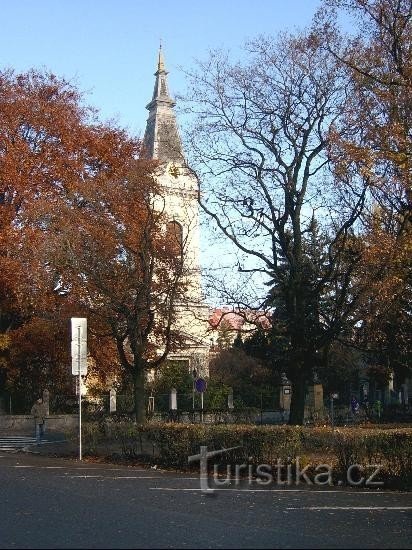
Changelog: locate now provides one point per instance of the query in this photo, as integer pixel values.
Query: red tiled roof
(235, 321)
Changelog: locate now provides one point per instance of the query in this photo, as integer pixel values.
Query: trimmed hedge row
(171, 444)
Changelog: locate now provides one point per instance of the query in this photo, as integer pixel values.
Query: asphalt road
(56, 503)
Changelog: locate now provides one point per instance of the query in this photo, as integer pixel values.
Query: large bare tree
(260, 145)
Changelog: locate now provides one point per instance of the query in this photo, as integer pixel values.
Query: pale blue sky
(109, 47)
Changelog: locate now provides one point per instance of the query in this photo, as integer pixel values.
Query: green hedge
(171, 444)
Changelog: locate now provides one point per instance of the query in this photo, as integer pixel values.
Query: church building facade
(180, 188)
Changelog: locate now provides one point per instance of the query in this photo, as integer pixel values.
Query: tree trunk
(139, 395)
(297, 403)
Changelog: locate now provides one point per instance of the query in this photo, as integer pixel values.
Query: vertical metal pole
(193, 396)
(332, 413)
(202, 405)
(194, 374)
(80, 394)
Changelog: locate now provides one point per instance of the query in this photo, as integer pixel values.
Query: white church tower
(162, 142)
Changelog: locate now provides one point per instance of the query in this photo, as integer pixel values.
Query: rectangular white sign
(83, 366)
(79, 345)
(79, 322)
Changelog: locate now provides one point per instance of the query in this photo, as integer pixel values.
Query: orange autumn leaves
(78, 231)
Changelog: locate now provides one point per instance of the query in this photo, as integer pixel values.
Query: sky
(109, 47)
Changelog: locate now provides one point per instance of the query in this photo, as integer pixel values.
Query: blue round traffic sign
(200, 385)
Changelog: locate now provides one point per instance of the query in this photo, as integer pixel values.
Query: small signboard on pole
(79, 362)
(79, 346)
(201, 386)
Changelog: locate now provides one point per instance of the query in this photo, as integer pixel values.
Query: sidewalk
(55, 444)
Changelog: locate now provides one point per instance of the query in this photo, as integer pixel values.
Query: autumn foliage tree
(114, 253)
(51, 147)
(379, 63)
(38, 359)
(378, 60)
(83, 232)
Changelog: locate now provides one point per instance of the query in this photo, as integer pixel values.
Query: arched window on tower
(174, 234)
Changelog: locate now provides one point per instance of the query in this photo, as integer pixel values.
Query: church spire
(161, 139)
(160, 62)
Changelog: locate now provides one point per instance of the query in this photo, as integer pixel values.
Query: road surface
(55, 503)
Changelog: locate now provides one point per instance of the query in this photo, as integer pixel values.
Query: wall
(23, 422)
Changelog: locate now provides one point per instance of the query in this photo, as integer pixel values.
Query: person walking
(39, 413)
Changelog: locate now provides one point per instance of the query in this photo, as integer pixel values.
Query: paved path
(16, 442)
(56, 503)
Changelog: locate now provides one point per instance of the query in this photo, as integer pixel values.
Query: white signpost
(79, 362)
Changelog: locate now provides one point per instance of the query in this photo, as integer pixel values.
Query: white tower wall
(180, 203)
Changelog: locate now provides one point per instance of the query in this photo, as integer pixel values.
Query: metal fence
(259, 408)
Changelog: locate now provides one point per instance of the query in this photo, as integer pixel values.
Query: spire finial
(160, 62)
(162, 140)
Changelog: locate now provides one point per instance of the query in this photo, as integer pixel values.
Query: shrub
(171, 444)
(174, 443)
(92, 435)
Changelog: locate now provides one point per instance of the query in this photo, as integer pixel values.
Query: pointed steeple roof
(161, 139)
(161, 61)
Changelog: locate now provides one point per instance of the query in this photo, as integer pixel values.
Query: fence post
(173, 404)
(230, 404)
(46, 401)
(112, 401)
(173, 400)
(261, 408)
(151, 405)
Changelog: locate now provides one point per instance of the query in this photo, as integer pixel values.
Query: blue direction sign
(200, 385)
